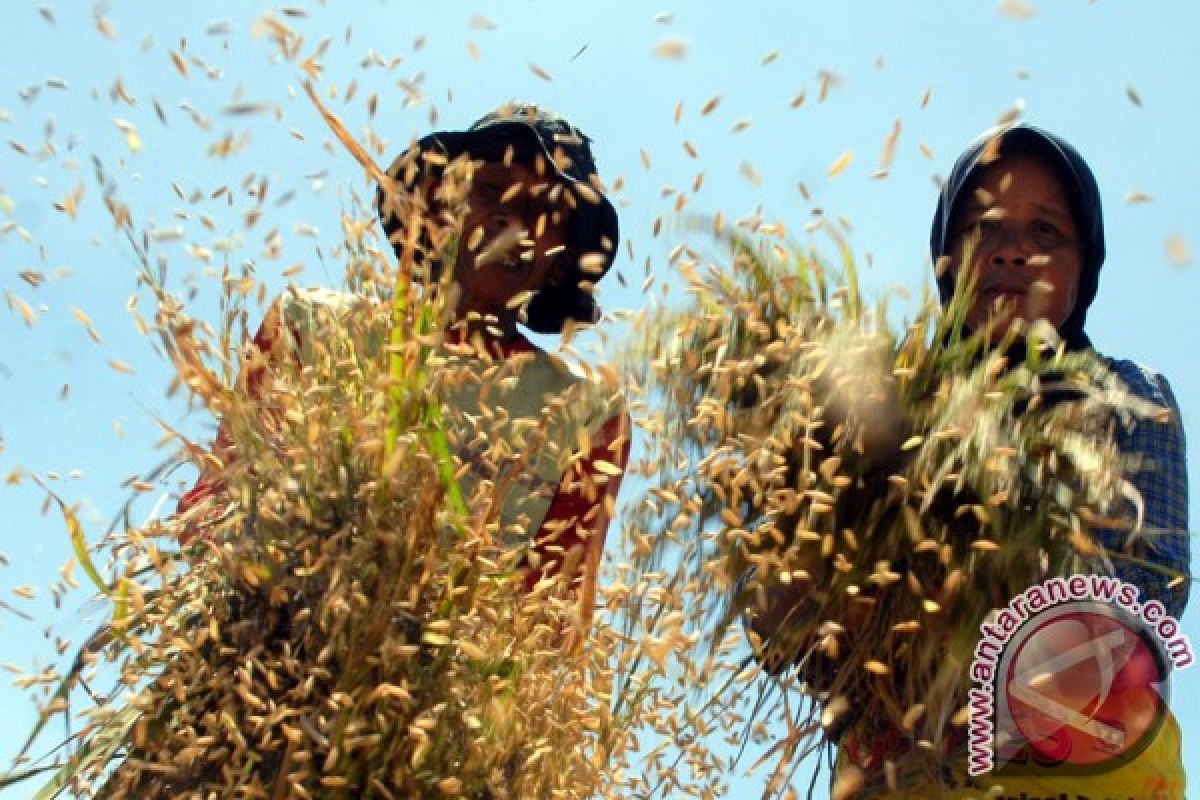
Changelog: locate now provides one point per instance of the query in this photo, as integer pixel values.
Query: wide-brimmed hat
(522, 133)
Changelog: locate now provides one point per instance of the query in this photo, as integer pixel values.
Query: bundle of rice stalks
(336, 618)
(333, 626)
(861, 496)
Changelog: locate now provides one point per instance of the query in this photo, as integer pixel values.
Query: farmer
(513, 207)
(1021, 210)
(1032, 215)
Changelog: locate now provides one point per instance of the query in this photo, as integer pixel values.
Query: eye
(1046, 233)
(987, 229)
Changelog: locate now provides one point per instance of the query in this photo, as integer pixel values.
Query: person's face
(514, 236)
(1016, 224)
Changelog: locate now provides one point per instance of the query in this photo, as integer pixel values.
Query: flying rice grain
(671, 48)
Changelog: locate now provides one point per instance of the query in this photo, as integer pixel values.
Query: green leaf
(439, 447)
(79, 543)
(121, 605)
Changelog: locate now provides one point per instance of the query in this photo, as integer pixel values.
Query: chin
(1000, 324)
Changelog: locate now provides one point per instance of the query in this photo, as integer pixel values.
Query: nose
(1002, 259)
(1010, 250)
(507, 230)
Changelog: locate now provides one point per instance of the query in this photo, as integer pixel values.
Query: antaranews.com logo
(1071, 674)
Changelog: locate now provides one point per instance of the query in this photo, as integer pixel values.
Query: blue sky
(1117, 79)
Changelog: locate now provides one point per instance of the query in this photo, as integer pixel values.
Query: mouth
(1004, 291)
(513, 264)
(503, 258)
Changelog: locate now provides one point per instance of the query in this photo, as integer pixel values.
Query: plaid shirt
(1164, 545)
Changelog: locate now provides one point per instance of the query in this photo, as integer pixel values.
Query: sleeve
(571, 538)
(1160, 557)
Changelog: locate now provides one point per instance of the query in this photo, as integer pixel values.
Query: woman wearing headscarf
(1028, 207)
(1021, 211)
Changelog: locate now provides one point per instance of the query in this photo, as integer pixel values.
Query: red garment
(570, 521)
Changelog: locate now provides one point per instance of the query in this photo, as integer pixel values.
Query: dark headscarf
(1082, 191)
